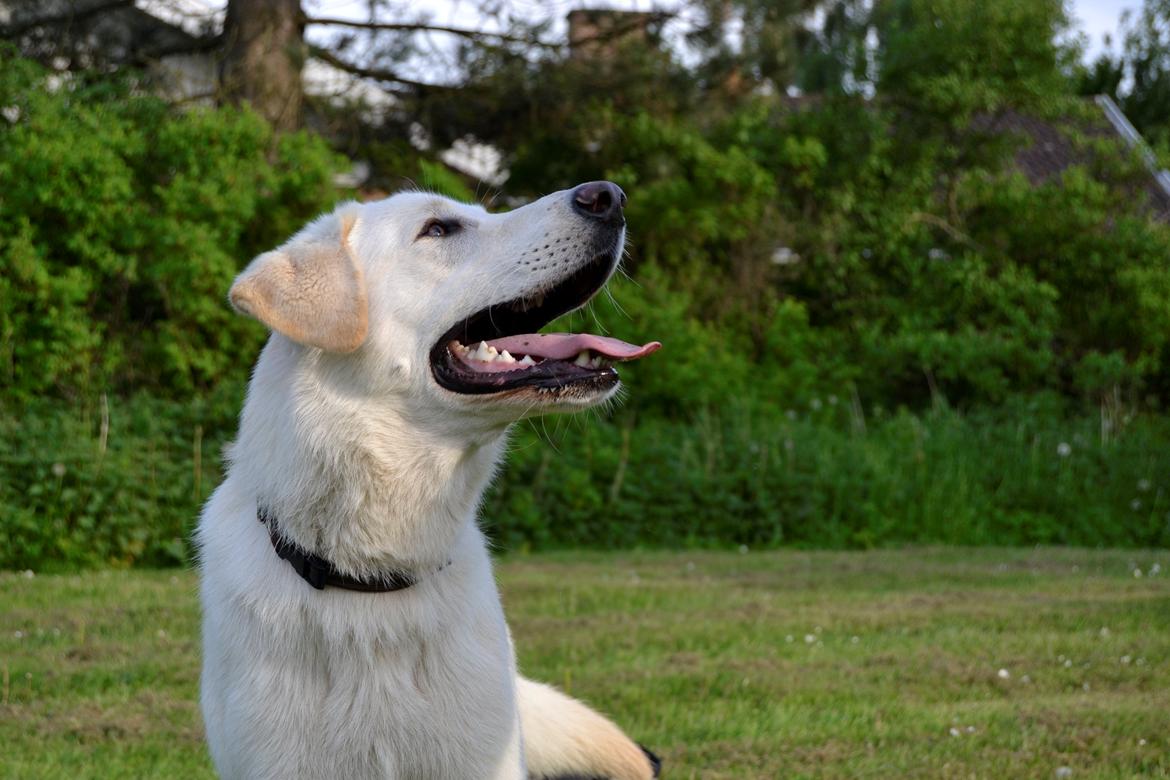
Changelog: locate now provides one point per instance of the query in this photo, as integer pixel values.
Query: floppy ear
(311, 290)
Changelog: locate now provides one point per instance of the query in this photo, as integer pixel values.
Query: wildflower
(1063, 449)
(1137, 574)
(1136, 504)
(1063, 771)
(832, 400)
(854, 639)
(1068, 663)
(815, 404)
(790, 414)
(954, 731)
(58, 469)
(788, 638)
(1141, 743)
(18, 635)
(743, 549)
(1143, 485)
(1003, 674)
(1104, 632)
(1125, 659)
(809, 639)
(29, 574)
(1155, 569)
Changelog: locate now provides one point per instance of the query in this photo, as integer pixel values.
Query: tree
(263, 51)
(1138, 76)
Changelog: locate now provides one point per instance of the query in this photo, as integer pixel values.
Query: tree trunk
(264, 51)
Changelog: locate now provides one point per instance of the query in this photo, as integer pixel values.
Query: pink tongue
(562, 346)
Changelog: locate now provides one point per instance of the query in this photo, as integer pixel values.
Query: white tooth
(504, 356)
(596, 362)
(492, 351)
(527, 361)
(481, 352)
(582, 359)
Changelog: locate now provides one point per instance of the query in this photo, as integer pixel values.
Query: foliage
(806, 262)
(825, 473)
(123, 485)
(122, 223)
(117, 482)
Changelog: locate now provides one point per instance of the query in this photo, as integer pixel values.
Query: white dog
(404, 346)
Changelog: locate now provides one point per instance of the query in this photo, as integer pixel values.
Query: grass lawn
(911, 663)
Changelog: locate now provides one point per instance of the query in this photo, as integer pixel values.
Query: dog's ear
(311, 289)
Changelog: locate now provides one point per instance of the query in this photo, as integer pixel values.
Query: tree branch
(329, 58)
(71, 15)
(423, 27)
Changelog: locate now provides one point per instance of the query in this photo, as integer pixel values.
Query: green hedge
(824, 474)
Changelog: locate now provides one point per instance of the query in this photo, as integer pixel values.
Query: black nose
(602, 200)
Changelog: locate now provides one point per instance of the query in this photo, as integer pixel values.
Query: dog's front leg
(511, 763)
(565, 739)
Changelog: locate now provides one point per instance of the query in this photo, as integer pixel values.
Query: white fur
(366, 461)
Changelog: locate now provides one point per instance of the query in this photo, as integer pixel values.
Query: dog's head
(442, 300)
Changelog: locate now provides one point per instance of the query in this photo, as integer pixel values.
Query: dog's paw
(655, 765)
(655, 761)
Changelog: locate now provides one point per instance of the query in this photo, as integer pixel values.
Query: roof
(1052, 150)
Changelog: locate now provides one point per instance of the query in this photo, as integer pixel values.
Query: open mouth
(499, 349)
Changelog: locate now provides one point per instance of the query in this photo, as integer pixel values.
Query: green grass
(781, 664)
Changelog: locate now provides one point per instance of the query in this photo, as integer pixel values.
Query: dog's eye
(437, 228)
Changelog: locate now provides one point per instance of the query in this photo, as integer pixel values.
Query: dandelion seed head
(1003, 674)
(1143, 485)
(58, 469)
(1063, 449)
(1064, 771)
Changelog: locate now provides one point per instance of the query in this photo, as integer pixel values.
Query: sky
(1099, 18)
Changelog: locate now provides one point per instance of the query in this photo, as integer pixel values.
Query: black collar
(320, 573)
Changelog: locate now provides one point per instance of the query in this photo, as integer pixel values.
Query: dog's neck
(380, 493)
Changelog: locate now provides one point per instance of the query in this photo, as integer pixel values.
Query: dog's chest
(416, 684)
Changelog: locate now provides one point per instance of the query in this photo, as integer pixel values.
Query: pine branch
(423, 27)
(377, 74)
(72, 14)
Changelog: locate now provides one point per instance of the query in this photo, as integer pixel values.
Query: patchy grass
(786, 664)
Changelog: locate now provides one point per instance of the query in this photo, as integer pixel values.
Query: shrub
(122, 223)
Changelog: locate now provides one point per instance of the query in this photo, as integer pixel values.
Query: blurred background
(909, 259)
